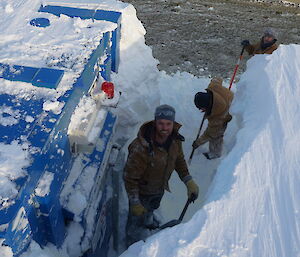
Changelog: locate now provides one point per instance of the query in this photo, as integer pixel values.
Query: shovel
(173, 223)
(192, 153)
(237, 66)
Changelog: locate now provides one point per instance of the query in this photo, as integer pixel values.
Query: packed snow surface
(252, 206)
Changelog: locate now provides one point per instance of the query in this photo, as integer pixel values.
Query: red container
(108, 88)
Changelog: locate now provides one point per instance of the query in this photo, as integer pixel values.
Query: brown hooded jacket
(219, 115)
(149, 167)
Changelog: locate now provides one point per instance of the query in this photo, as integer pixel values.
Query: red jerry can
(108, 88)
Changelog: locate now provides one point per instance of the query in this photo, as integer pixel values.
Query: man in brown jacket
(215, 103)
(152, 157)
(267, 44)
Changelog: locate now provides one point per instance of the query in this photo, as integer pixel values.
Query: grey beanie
(269, 32)
(165, 112)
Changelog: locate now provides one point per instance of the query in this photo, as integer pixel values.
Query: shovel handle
(184, 209)
(198, 134)
(172, 223)
(236, 67)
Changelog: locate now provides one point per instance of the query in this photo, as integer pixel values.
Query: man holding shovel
(266, 45)
(152, 157)
(215, 103)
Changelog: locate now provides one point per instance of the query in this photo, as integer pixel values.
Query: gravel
(203, 37)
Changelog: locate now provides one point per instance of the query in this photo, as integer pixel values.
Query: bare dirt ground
(203, 37)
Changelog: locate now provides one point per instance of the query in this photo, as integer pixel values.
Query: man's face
(164, 128)
(268, 39)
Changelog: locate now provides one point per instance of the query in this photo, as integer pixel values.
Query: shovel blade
(170, 224)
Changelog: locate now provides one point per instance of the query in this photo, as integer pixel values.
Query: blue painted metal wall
(42, 218)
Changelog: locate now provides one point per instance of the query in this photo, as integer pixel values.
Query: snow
(20, 222)
(44, 184)
(26, 91)
(14, 159)
(54, 106)
(87, 120)
(29, 119)
(65, 44)
(249, 201)
(137, 75)
(90, 4)
(6, 251)
(98, 126)
(36, 251)
(8, 116)
(9, 8)
(85, 108)
(73, 240)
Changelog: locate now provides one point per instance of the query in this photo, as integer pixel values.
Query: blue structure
(96, 15)
(40, 77)
(43, 218)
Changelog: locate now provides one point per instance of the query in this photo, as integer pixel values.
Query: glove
(137, 209)
(245, 42)
(195, 144)
(192, 190)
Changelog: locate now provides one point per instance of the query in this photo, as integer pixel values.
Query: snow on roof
(89, 4)
(66, 44)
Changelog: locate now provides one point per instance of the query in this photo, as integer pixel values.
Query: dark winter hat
(165, 112)
(202, 100)
(269, 33)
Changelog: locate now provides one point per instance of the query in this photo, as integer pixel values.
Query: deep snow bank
(253, 207)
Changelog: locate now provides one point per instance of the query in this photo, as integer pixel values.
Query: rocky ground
(203, 37)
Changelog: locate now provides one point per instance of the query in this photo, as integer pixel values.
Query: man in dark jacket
(152, 157)
(215, 103)
(267, 44)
